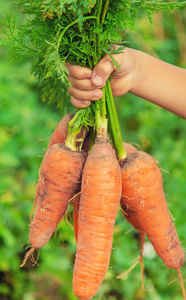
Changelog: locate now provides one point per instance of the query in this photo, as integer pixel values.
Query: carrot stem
(92, 138)
(114, 123)
(101, 120)
(104, 11)
(97, 57)
(68, 26)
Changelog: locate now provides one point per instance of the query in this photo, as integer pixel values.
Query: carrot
(59, 178)
(100, 196)
(142, 192)
(59, 136)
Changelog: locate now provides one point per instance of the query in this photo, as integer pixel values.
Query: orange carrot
(142, 192)
(59, 136)
(59, 178)
(100, 196)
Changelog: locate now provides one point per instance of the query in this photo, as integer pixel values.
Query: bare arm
(160, 83)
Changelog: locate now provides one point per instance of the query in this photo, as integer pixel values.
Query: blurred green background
(26, 125)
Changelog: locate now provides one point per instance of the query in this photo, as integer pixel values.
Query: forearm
(160, 83)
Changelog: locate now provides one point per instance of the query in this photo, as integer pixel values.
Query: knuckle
(80, 103)
(107, 66)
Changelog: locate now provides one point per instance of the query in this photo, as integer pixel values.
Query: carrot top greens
(80, 32)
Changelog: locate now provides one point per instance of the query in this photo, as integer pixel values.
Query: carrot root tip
(29, 254)
(181, 283)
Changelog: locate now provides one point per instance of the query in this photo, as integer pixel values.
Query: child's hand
(140, 74)
(87, 84)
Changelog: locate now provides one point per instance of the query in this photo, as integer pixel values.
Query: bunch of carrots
(86, 163)
(97, 182)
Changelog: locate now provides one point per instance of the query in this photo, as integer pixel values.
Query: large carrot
(100, 197)
(59, 178)
(59, 136)
(142, 191)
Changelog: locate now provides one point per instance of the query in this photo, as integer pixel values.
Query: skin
(140, 74)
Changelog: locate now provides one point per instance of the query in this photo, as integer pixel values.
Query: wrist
(136, 74)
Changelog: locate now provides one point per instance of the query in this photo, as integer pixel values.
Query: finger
(81, 84)
(105, 67)
(79, 103)
(78, 71)
(102, 71)
(85, 95)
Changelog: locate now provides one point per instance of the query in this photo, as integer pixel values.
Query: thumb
(102, 71)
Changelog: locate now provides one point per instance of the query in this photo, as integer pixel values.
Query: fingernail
(98, 80)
